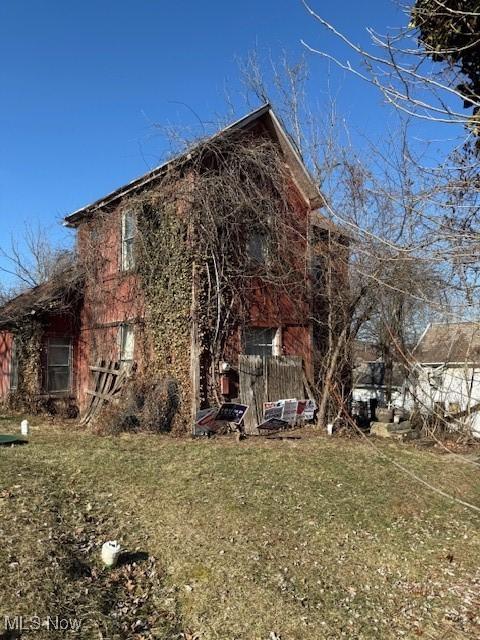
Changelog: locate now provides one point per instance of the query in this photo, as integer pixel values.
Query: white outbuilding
(446, 375)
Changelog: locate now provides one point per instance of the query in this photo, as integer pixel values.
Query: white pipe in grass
(110, 553)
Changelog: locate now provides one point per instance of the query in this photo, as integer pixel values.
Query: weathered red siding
(111, 297)
(277, 307)
(6, 341)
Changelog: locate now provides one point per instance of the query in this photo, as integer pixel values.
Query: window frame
(275, 344)
(14, 365)
(59, 341)
(127, 256)
(123, 328)
(257, 247)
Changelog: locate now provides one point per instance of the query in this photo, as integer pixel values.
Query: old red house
(198, 306)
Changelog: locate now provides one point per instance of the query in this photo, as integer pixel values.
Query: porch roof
(55, 295)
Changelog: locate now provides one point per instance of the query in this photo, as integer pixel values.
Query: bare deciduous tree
(428, 70)
(378, 205)
(32, 260)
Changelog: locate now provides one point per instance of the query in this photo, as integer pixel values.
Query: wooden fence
(266, 380)
(108, 379)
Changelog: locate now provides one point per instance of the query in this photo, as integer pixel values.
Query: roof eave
(306, 186)
(75, 218)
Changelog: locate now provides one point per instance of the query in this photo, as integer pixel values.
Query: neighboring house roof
(49, 296)
(448, 343)
(266, 115)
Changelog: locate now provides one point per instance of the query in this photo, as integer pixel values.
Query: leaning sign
(272, 410)
(205, 422)
(289, 410)
(285, 410)
(231, 412)
(210, 420)
(273, 424)
(306, 410)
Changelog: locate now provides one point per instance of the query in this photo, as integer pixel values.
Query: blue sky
(82, 86)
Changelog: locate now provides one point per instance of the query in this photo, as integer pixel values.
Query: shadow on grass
(10, 635)
(130, 557)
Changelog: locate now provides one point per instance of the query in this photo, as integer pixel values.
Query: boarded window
(261, 341)
(127, 343)
(129, 228)
(14, 366)
(59, 365)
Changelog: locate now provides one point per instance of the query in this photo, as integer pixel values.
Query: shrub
(145, 406)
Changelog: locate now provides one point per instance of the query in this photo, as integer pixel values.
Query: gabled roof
(264, 114)
(448, 343)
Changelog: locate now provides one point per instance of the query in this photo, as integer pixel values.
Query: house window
(262, 342)
(129, 228)
(127, 343)
(59, 365)
(257, 247)
(14, 366)
(318, 268)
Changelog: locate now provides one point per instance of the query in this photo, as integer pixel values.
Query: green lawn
(311, 539)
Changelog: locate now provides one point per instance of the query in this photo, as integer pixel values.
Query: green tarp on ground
(4, 439)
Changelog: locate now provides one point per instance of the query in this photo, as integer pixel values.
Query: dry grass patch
(306, 539)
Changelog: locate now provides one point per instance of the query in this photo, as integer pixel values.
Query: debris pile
(392, 424)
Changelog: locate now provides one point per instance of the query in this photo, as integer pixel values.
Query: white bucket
(329, 429)
(110, 552)
(24, 427)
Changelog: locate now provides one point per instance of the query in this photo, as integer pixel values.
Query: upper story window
(257, 247)
(129, 229)
(319, 248)
(127, 343)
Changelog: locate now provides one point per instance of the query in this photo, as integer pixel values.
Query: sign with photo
(272, 410)
(301, 408)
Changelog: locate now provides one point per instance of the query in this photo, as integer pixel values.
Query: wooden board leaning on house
(108, 380)
(268, 379)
